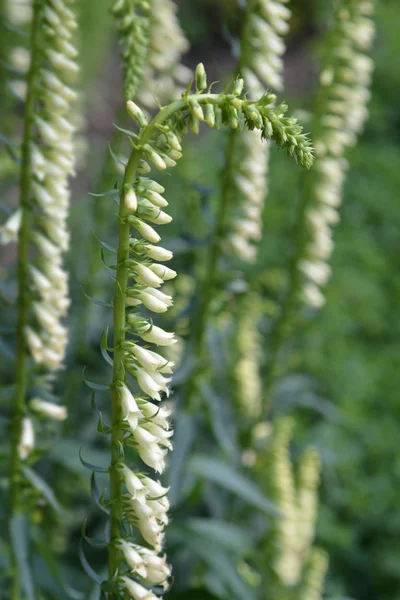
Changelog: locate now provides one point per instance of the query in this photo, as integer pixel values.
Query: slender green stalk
(215, 249)
(23, 295)
(282, 326)
(119, 325)
(340, 113)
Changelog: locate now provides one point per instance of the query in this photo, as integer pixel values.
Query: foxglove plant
(137, 500)
(47, 160)
(340, 114)
(248, 352)
(133, 25)
(152, 44)
(246, 185)
(260, 64)
(19, 59)
(295, 563)
(164, 73)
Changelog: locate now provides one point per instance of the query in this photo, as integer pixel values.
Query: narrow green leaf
(97, 497)
(115, 157)
(90, 466)
(41, 485)
(101, 428)
(91, 541)
(103, 260)
(87, 568)
(7, 140)
(224, 533)
(104, 244)
(220, 563)
(226, 476)
(19, 531)
(48, 556)
(113, 192)
(6, 351)
(99, 387)
(127, 131)
(104, 347)
(97, 302)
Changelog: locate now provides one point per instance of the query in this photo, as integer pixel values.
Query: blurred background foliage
(342, 367)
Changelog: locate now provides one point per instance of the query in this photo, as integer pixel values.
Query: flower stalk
(23, 282)
(341, 111)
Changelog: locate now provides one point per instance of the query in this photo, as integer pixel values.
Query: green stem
(282, 326)
(119, 325)
(23, 282)
(211, 269)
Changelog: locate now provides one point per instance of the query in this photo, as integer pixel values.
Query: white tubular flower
(155, 489)
(136, 591)
(48, 409)
(158, 253)
(9, 230)
(148, 384)
(264, 48)
(153, 456)
(165, 273)
(132, 558)
(155, 300)
(148, 359)
(128, 402)
(345, 82)
(146, 275)
(146, 230)
(158, 336)
(27, 441)
(158, 571)
(135, 487)
(152, 532)
(35, 344)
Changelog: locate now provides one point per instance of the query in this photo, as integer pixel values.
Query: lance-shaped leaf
(226, 476)
(41, 485)
(90, 466)
(20, 543)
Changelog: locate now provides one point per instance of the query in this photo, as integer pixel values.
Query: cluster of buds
(52, 155)
(152, 44)
(312, 586)
(140, 276)
(261, 68)
(345, 92)
(295, 530)
(164, 74)
(248, 345)
(133, 25)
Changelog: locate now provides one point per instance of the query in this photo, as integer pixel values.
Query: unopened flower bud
(131, 200)
(201, 77)
(136, 113)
